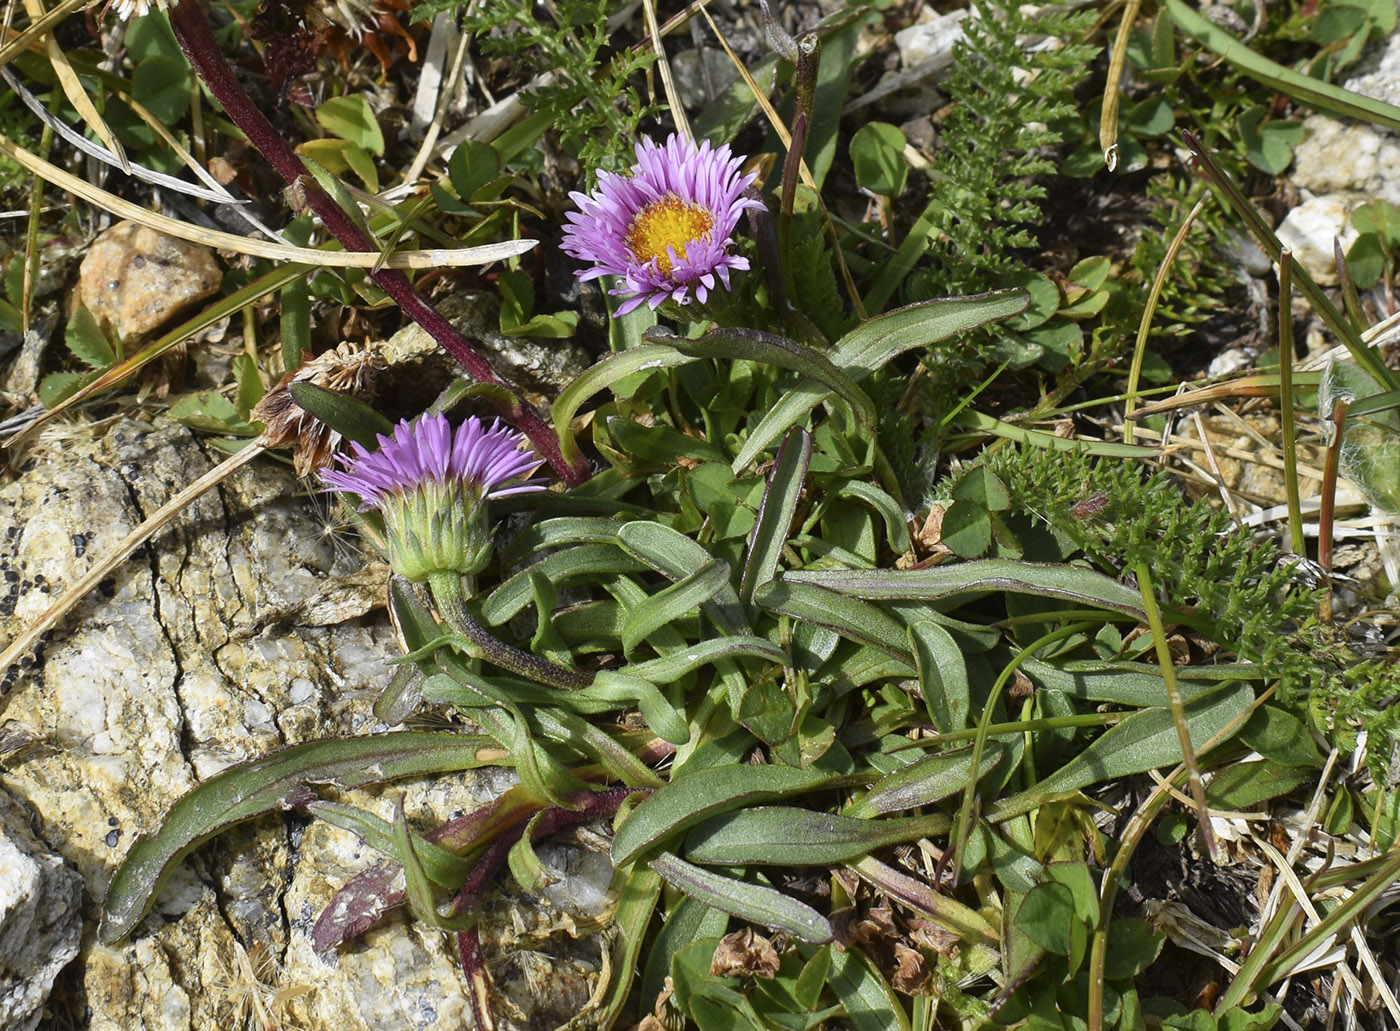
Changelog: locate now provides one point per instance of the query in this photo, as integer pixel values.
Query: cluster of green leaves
(1215, 577)
(749, 615)
(592, 101)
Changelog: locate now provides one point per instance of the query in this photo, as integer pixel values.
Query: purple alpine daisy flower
(430, 484)
(664, 228)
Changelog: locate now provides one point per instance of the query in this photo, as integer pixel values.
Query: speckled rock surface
(241, 629)
(135, 278)
(1337, 155)
(40, 918)
(1311, 227)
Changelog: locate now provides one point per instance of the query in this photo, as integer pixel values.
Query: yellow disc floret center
(667, 223)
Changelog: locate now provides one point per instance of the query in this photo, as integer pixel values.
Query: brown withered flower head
(347, 369)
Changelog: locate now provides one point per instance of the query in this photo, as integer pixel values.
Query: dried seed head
(346, 369)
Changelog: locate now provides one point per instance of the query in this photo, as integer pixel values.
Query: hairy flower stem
(592, 805)
(447, 596)
(197, 40)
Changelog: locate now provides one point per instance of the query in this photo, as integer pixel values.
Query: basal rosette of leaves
(800, 710)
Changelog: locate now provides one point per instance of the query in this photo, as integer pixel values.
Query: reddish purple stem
(195, 38)
(592, 805)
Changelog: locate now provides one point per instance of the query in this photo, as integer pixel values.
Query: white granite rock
(40, 919)
(1310, 228)
(215, 646)
(1347, 156)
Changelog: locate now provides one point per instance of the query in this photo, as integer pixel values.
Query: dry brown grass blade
(38, 29)
(663, 67)
(80, 589)
(1112, 95)
(73, 90)
(436, 258)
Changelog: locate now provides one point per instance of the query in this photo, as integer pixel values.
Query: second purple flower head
(423, 493)
(665, 228)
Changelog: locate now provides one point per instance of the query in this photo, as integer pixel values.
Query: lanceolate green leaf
(1144, 741)
(872, 344)
(278, 781)
(791, 836)
(849, 617)
(676, 556)
(770, 531)
(870, 1003)
(610, 370)
(1304, 88)
(680, 599)
(692, 797)
(581, 561)
(751, 902)
(1069, 583)
(441, 866)
(754, 345)
(923, 782)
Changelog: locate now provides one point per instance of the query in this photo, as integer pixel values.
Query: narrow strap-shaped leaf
(1068, 583)
(442, 867)
(680, 599)
(1132, 683)
(942, 675)
(610, 370)
(1304, 88)
(896, 526)
(692, 797)
(418, 885)
(676, 556)
(751, 902)
(770, 349)
(561, 532)
(869, 1001)
(585, 560)
(265, 785)
(669, 668)
(792, 836)
(1144, 741)
(770, 531)
(347, 415)
(923, 782)
(872, 344)
(849, 617)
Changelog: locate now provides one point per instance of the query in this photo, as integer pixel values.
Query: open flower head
(128, 9)
(665, 228)
(429, 485)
